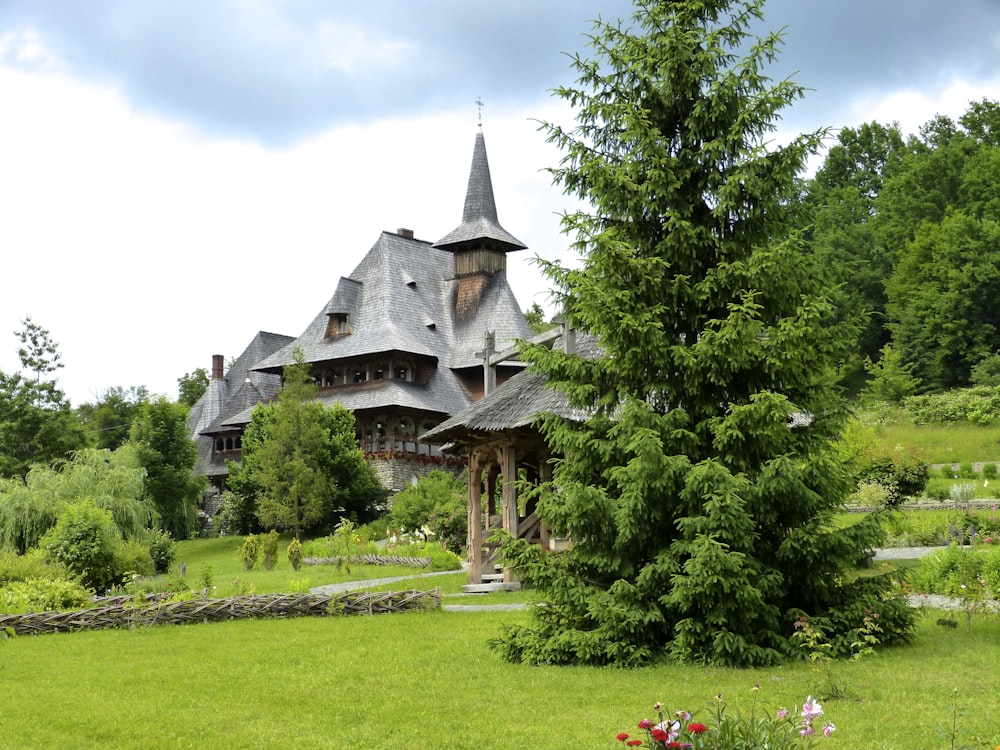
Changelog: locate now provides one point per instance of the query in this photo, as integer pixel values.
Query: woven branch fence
(409, 562)
(124, 615)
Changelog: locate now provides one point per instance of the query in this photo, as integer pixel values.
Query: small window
(229, 444)
(337, 325)
(402, 372)
(220, 445)
(360, 375)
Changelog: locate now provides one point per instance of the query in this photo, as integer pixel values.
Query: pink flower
(645, 724)
(811, 709)
(782, 713)
(828, 729)
(807, 730)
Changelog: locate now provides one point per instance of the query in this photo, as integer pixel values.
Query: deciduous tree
(169, 456)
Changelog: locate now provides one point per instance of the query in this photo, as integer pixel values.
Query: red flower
(622, 737)
(659, 735)
(633, 743)
(675, 743)
(645, 724)
(697, 728)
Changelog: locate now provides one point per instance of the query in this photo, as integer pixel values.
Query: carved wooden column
(508, 469)
(474, 536)
(544, 475)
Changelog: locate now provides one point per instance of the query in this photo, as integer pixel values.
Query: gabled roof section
(479, 216)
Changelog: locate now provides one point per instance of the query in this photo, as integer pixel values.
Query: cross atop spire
(479, 106)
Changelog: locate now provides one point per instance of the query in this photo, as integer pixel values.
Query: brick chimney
(406, 234)
(218, 363)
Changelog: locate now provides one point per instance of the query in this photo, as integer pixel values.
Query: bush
(85, 540)
(432, 505)
(965, 470)
(903, 474)
(42, 595)
(295, 554)
(162, 549)
(32, 564)
(948, 472)
(133, 557)
(269, 549)
(989, 471)
(249, 552)
(979, 405)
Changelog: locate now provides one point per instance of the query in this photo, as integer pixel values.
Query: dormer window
(337, 325)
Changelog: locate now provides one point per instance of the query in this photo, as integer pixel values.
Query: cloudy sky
(177, 175)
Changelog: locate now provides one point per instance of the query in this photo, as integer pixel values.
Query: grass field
(943, 443)
(428, 680)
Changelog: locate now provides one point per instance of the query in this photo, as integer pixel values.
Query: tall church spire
(480, 227)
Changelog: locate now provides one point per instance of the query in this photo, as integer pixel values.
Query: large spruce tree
(700, 493)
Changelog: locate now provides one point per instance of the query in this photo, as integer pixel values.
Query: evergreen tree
(700, 493)
(302, 467)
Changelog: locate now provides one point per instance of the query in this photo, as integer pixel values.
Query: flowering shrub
(728, 731)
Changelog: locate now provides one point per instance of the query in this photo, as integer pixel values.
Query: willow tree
(700, 492)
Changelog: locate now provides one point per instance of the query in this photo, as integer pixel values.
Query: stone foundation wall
(396, 474)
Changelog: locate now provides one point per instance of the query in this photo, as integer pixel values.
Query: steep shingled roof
(479, 215)
(516, 403)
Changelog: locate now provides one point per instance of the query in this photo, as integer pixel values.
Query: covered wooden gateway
(503, 448)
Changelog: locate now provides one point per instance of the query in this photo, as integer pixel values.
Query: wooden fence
(127, 615)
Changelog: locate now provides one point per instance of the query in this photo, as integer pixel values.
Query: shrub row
(979, 405)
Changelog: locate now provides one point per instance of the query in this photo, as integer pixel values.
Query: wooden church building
(399, 342)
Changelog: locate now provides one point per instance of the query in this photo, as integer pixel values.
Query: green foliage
(990, 470)
(891, 378)
(534, 316)
(249, 552)
(295, 554)
(987, 372)
(719, 727)
(269, 549)
(169, 456)
(699, 494)
(112, 480)
(38, 425)
(42, 595)
(162, 549)
(437, 503)
(302, 468)
(979, 405)
(939, 217)
(191, 386)
(85, 540)
(900, 471)
(133, 558)
(31, 565)
(109, 419)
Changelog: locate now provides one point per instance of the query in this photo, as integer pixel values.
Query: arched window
(360, 375)
(220, 445)
(229, 444)
(402, 372)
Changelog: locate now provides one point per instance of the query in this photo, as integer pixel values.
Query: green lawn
(943, 443)
(429, 680)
